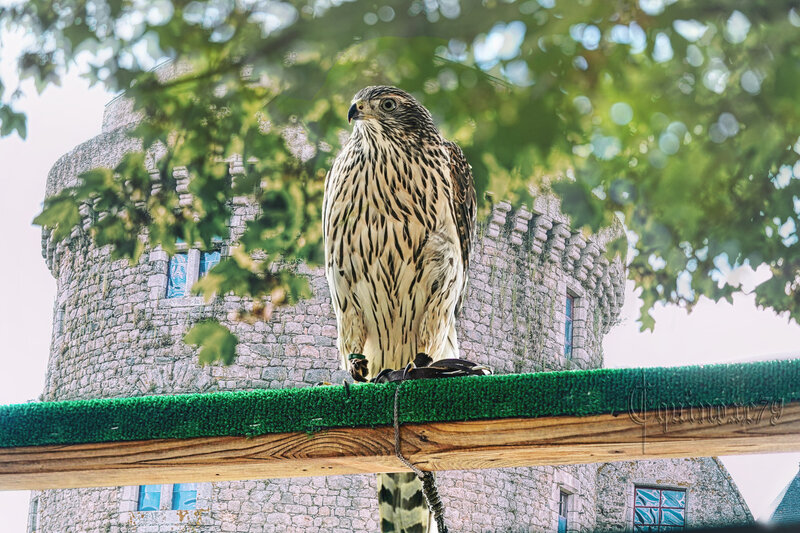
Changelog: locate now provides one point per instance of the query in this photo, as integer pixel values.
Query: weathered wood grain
(436, 446)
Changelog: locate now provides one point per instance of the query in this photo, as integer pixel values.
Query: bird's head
(394, 109)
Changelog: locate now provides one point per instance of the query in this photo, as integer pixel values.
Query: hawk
(398, 223)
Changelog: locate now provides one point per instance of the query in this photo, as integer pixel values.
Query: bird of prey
(398, 223)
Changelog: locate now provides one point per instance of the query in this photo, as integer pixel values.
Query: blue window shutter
(184, 496)
(176, 276)
(207, 262)
(149, 497)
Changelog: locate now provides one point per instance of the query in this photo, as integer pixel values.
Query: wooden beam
(435, 446)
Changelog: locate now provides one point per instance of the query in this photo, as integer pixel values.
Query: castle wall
(116, 334)
(712, 498)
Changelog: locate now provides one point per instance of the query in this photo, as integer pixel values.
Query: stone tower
(541, 297)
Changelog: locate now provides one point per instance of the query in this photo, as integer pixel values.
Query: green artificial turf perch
(258, 412)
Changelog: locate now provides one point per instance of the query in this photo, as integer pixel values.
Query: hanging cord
(423, 368)
(428, 482)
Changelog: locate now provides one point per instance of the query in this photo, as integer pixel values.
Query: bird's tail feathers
(402, 505)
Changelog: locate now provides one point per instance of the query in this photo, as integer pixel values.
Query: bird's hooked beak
(356, 111)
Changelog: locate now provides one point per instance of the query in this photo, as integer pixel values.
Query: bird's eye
(388, 105)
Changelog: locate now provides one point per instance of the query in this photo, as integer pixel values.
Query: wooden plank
(436, 446)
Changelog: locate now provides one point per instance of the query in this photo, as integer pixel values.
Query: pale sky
(61, 118)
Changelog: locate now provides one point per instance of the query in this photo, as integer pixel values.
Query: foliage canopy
(679, 118)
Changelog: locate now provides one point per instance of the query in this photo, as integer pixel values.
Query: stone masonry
(712, 499)
(117, 335)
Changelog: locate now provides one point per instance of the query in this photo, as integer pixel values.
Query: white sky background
(61, 118)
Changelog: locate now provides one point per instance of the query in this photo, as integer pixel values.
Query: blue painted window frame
(659, 509)
(568, 325)
(149, 498)
(208, 260)
(184, 496)
(177, 275)
(563, 509)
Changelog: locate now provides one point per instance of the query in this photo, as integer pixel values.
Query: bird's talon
(358, 367)
(422, 359)
(382, 376)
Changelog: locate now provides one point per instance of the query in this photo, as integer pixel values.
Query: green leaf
(697, 153)
(11, 121)
(580, 204)
(215, 341)
(646, 319)
(617, 248)
(60, 214)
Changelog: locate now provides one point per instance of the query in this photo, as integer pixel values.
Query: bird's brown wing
(463, 205)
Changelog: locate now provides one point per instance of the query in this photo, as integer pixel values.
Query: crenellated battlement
(543, 234)
(521, 242)
(535, 234)
(526, 232)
